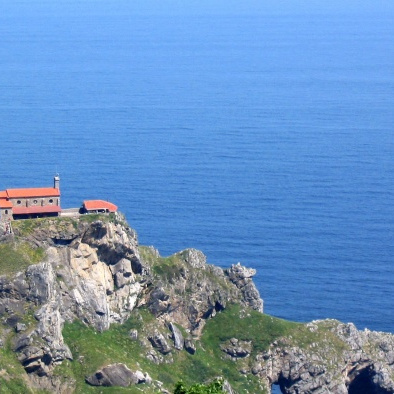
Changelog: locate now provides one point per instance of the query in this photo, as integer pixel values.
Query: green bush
(198, 388)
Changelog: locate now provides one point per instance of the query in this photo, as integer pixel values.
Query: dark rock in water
(117, 375)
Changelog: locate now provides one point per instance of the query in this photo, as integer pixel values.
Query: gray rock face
(20, 327)
(177, 336)
(94, 273)
(160, 343)
(123, 273)
(194, 257)
(197, 291)
(117, 375)
(235, 348)
(74, 282)
(242, 278)
(348, 361)
(190, 346)
(133, 334)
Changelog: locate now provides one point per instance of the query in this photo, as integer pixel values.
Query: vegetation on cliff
(18, 255)
(85, 309)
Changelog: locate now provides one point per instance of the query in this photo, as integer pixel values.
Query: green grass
(259, 328)
(171, 268)
(17, 256)
(93, 217)
(148, 255)
(26, 227)
(92, 350)
(167, 268)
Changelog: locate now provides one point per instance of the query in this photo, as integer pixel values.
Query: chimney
(56, 182)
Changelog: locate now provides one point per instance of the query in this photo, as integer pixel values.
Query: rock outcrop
(344, 360)
(190, 291)
(93, 272)
(96, 273)
(117, 375)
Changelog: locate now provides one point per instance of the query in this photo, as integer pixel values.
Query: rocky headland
(84, 307)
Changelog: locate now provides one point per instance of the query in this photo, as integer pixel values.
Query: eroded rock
(349, 361)
(177, 336)
(159, 342)
(235, 348)
(117, 375)
(190, 346)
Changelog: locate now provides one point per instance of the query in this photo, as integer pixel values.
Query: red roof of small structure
(33, 192)
(3, 194)
(95, 205)
(36, 209)
(5, 204)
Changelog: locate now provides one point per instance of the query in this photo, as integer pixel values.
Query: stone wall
(35, 201)
(5, 214)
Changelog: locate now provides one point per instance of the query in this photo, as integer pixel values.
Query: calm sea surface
(266, 139)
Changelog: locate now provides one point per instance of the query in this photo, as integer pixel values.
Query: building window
(50, 201)
(35, 202)
(6, 211)
(19, 202)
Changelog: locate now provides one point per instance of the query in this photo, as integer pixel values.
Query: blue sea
(257, 132)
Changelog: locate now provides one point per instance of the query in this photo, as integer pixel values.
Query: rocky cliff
(82, 305)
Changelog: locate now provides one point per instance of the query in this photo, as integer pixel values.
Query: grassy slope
(16, 256)
(26, 227)
(93, 350)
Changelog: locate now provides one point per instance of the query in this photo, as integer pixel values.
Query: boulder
(133, 334)
(20, 327)
(190, 346)
(177, 336)
(117, 375)
(194, 257)
(159, 342)
(123, 273)
(242, 278)
(235, 348)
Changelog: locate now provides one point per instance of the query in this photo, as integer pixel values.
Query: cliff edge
(83, 306)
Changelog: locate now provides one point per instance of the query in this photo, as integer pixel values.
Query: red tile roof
(5, 203)
(36, 209)
(33, 192)
(95, 205)
(3, 194)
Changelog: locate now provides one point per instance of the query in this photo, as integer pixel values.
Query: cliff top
(83, 306)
